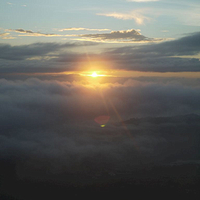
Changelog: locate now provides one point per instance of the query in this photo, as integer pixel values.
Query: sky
(99, 97)
(52, 37)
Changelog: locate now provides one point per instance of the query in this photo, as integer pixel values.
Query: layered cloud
(120, 36)
(171, 56)
(23, 52)
(163, 57)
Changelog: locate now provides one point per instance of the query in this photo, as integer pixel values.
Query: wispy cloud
(31, 33)
(9, 3)
(136, 15)
(6, 36)
(82, 29)
(190, 17)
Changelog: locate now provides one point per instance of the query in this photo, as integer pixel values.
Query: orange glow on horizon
(114, 73)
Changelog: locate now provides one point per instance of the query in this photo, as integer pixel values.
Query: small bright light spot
(94, 74)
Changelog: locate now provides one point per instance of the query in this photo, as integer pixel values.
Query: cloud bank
(49, 138)
(170, 56)
(23, 52)
(48, 131)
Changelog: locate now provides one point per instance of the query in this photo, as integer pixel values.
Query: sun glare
(94, 74)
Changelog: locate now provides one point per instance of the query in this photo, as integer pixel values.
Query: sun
(94, 74)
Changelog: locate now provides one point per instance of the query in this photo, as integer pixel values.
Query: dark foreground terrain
(181, 180)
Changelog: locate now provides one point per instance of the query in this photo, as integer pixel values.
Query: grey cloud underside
(159, 57)
(189, 45)
(22, 52)
(152, 57)
(48, 128)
